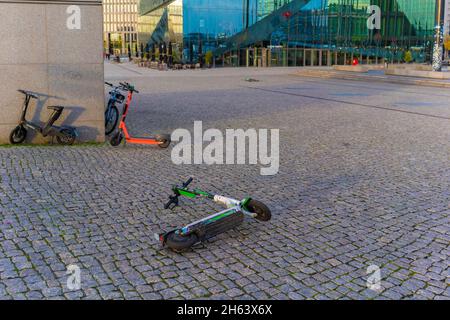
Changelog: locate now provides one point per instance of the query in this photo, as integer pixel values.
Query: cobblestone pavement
(364, 180)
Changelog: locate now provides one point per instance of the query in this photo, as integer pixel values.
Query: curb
(345, 76)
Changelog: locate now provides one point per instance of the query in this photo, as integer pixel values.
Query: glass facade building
(120, 20)
(163, 23)
(263, 8)
(208, 23)
(297, 32)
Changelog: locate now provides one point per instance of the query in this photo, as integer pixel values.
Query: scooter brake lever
(173, 202)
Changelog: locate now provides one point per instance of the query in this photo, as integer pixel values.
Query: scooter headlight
(120, 98)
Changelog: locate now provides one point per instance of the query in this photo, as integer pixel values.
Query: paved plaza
(364, 180)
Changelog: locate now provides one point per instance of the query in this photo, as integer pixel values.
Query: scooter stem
(53, 118)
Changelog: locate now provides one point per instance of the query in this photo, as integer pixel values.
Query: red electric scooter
(163, 140)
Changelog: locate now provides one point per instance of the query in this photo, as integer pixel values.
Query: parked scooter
(64, 135)
(185, 237)
(163, 140)
(112, 112)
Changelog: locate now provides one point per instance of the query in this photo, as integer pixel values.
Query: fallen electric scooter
(184, 238)
(64, 135)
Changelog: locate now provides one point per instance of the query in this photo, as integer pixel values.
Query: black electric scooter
(64, 135)
(112, 112)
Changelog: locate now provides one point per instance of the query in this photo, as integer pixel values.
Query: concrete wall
(417, 73)
(447, 17)
(361, 68)
(40, 53)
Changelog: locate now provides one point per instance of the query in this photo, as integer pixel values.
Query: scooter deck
(143, 140)
(215, 228)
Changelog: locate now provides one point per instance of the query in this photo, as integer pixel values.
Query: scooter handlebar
(121, 87)
(187, 183)
(28, 93)
(128, 87)
(174, 199)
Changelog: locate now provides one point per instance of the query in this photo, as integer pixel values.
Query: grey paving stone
(235, 292)
(357, 185)
(168, 293)
(51, 292)
(15, 286)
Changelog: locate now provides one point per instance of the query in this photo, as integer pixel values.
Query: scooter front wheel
(262, 211)
(180, 243)
(67, 137)
(111, 118)
(164, 139)
(18, 135)
(116, 140)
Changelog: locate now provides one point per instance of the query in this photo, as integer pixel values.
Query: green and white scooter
(185, 237)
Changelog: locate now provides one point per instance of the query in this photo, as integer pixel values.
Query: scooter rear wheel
(180, 243)
(68, 137)
(18, 135)
(262, 211)
(164, 139)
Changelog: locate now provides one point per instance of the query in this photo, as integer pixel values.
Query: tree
(176, 56)
(209, 57)
(408, 56)
(200, 52)
(153, 52)
(147, 52)
(447, 43)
